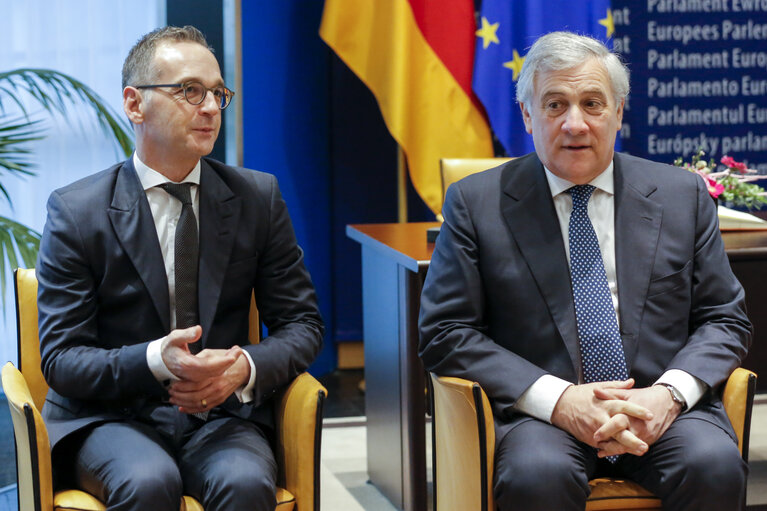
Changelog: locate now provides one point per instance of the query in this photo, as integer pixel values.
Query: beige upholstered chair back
(455, 169)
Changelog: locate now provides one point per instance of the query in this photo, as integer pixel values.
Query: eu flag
(506, 31)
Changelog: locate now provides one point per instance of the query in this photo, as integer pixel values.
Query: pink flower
(730, 162)
(714, 189)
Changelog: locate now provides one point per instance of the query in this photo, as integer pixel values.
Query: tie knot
(181, 191)
(581, 195)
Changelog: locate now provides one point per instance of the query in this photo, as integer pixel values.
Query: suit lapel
(219, 215)
(528, 210)
(133, 224)
(637, 228)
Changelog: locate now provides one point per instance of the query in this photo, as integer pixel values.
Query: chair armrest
(738, 399)
(299, 428)
(464, 444)
(33, 450)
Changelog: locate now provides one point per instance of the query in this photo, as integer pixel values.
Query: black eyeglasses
(195, 92)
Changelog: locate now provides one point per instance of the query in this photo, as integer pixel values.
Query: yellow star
(608, 23)
(487, 33)
(515, 65)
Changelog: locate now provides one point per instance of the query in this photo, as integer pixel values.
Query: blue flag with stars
(506, 30)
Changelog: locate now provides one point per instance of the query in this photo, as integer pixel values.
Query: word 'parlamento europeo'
(723, 87)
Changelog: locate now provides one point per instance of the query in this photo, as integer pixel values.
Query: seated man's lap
(129, 465)
(694, 465)
(543, 467)
(229, 464)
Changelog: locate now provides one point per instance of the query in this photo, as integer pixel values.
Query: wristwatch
(675, 395)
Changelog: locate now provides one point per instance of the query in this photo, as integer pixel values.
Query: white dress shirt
(542, 396)
(166, 211)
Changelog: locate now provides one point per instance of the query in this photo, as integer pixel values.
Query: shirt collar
(150, 178)
(603, 181)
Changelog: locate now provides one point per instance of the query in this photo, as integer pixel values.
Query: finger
(616, 406)
(201, 404)
(606, 394)
(184, 336)
(615, 384)
(212, 366)
(612, 427)
(611, 447)
(187, 386)
(623, 442)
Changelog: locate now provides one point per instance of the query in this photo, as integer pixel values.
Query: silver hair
(558, 51)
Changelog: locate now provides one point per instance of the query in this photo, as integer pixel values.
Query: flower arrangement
(733, 185)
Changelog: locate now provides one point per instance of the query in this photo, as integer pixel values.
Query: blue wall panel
(285, 128)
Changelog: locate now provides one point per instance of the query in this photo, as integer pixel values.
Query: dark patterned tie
(186, 260)
(602, 355)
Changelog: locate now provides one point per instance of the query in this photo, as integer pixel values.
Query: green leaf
(18, 247)
(55, 92)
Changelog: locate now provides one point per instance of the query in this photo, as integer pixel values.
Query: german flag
(417, 57)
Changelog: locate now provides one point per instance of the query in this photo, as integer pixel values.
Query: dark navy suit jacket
(497, 305)
(103, 293)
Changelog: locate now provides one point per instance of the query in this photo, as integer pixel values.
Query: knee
(155, 487)
(242, 491)
(715, 468)
(544, 483)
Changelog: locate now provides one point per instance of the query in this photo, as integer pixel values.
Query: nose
(209, 104)
(574, 121)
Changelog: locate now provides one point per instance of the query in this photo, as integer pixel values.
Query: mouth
(576, 147)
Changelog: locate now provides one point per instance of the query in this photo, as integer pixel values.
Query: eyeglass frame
(183, 86)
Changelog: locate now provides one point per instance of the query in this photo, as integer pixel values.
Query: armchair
(455, 169)
(299, 424)
(464, 447)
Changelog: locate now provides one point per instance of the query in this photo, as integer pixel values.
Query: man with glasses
(146, 272)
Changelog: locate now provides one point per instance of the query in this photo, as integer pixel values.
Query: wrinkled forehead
(588, 78)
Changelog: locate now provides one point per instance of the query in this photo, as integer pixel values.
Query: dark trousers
(226, 463)
(694, 466)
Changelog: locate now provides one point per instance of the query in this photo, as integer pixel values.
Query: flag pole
(401, 186)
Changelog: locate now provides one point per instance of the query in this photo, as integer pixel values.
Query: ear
(619, 113)
(133, 104)
(526, 117)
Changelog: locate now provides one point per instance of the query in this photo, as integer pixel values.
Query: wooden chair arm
(299, 428)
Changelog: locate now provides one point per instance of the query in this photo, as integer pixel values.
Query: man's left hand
(656, 398)
(202, 395)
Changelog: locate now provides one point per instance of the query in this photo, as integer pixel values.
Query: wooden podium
(395, 259)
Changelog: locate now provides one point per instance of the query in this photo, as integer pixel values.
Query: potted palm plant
(54, 92)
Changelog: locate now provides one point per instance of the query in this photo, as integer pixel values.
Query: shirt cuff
(541, 397)
(691, 388)
(245, 394)
(157, 364)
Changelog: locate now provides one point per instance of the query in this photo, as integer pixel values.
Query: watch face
(676, 396)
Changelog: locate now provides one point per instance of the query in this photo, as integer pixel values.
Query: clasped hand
(614, 417)
(206, 379)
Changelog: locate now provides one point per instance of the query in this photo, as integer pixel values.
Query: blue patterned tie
(602, 356)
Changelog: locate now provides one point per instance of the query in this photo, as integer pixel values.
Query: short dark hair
(137, 67)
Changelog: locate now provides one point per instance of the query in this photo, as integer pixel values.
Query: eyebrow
(587, 92)
(200, 80)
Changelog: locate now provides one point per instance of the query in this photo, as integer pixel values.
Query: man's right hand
(581, 413)
(180, 361)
